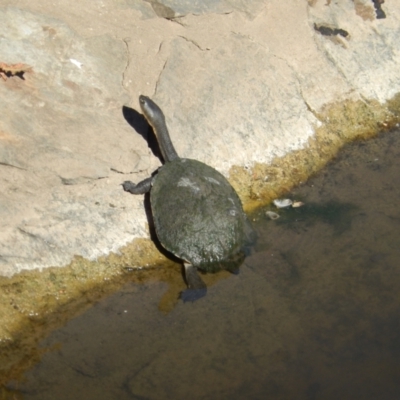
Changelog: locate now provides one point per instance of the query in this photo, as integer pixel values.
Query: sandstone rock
(240, 83)
(252, 118)
(180, 8)
(366, 56)
(61, 143)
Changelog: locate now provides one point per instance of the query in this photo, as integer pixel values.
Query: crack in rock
(194, 43)
(126, 42)
(380, 14)
(328, 31)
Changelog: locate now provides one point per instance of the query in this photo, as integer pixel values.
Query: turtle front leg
(196, 287)
(141, 188)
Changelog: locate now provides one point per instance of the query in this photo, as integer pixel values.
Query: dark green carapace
(198, 216)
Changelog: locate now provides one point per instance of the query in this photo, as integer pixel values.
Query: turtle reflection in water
(197, 214)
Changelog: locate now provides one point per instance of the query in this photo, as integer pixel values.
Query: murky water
(314, 313)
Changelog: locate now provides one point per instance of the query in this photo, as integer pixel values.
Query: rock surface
(240, 83)
(62, 134)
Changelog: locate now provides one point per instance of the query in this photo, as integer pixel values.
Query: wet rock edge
(33, 303)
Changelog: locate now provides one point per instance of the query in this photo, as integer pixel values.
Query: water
(313, 314)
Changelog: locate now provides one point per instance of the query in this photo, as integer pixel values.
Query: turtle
(197, 214)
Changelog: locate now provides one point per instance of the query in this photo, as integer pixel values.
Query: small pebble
(272, 215)
(282, 203)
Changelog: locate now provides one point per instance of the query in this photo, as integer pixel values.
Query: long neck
(164, 141)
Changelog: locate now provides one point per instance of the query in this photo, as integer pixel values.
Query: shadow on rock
(141, 126)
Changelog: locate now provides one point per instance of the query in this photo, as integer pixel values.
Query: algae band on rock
(197, 214)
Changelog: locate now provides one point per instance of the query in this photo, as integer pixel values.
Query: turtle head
(151, 111)
(156, 119)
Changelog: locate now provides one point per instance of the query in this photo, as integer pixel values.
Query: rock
(62, 136)
(179, 8)
(253, 119)
(367, 54)
(241, 83)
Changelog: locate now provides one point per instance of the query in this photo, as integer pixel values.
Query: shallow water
(313, 314)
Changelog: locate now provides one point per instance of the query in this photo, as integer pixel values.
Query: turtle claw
(192, 294)
(128, 186)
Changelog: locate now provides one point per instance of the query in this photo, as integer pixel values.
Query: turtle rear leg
(196, 287)
(140, 188)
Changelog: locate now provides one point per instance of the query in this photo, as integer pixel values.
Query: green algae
(341, 123)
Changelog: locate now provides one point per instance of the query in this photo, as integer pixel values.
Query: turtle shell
(198, 216)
